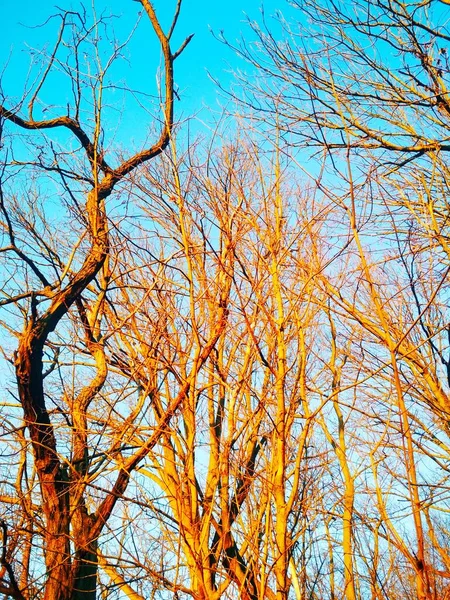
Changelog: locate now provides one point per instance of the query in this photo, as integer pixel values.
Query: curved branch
(68, 123)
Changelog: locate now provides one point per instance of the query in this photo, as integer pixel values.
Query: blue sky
(204, 54)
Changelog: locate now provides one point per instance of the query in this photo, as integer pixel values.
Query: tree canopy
(226, 357)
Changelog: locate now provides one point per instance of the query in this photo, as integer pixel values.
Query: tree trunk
(85, 569)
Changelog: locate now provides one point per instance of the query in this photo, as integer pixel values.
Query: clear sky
(204, 54)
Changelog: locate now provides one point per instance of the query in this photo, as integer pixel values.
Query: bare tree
(371, 76)
(365, 87)
(230, 478)
(232, 374)
(49, 277)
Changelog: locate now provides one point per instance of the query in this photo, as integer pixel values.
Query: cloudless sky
(203, 55)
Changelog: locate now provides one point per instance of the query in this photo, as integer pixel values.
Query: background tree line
(227, 361)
